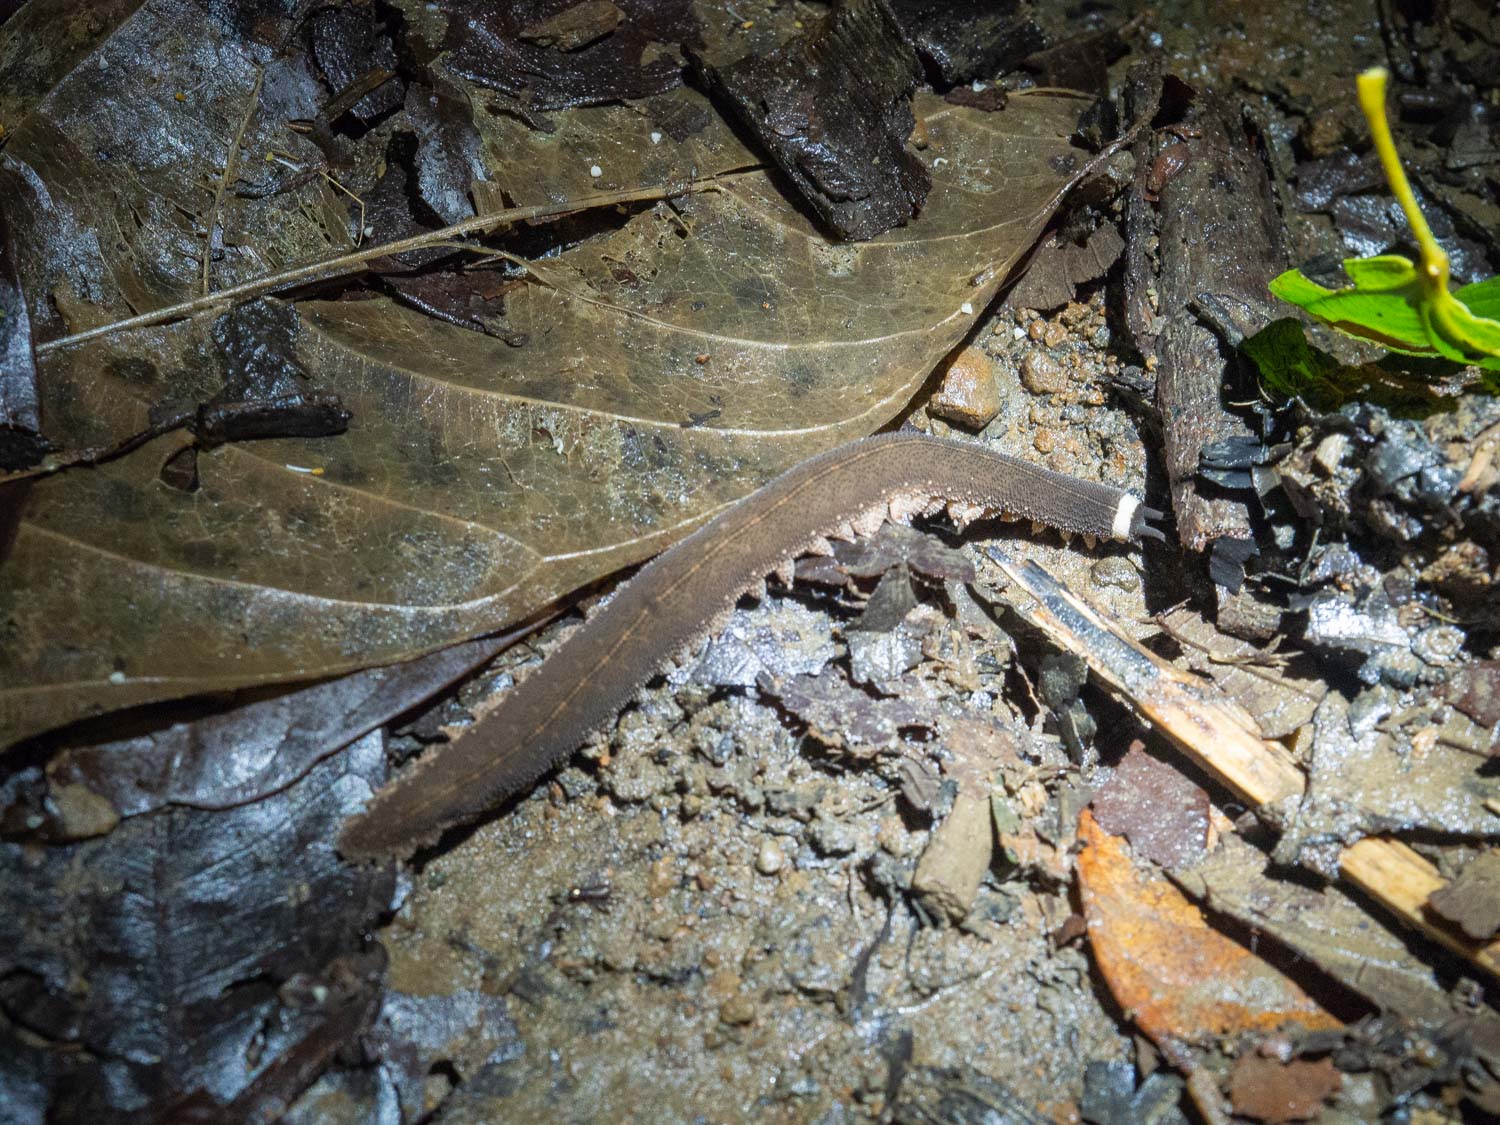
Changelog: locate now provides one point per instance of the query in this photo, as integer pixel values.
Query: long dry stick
(353, 263)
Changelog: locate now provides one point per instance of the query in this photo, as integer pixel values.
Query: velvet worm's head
(1133, 520)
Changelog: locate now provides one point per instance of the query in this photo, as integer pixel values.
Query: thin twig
(352, 263)
(227, 178)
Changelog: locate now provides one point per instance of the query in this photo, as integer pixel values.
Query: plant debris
(346, 344)
(833, 111)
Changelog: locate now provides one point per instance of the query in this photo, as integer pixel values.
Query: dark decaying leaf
(1060, 265)
(833, 110)
(344, 1001)
(894, 544)
(144, 965)
(842, 715)
(1266, 1089)
(525, 51)
(448, 156)
(1080, 62)
(116, 201)
(21, 442)
(637, 382)
(353, 50)
(1162, 813)
(242, 755)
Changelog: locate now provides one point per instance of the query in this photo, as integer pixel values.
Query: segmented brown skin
(673, 600)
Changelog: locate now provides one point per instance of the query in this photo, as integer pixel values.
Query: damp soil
(702, 919)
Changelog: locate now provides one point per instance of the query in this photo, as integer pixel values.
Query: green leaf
(1290, 367)
(1483, 298)
(1390, 317)
(1401, 305)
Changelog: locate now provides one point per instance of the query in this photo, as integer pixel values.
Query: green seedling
(1401, 305)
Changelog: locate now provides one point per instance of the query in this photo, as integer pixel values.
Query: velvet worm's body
(675, 598)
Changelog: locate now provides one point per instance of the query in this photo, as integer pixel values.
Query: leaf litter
(705, 869)
(480, 480)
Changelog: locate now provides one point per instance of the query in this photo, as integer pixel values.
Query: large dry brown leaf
(479, 480)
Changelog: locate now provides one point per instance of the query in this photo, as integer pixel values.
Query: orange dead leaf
(1179, 979)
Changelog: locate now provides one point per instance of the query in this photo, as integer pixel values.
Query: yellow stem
(1371, 89)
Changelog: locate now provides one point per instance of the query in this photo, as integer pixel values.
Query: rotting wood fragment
(1221, 738)
(1210, 727)
(978, 39)
(1334, 932)
(833, 111)
(959, 851)
(948, 875)
(1217, 233)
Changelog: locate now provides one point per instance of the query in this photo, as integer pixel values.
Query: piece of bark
(832, 109)
(1060, 265)
(1218, 236)
(978, 39)
(1472, 901)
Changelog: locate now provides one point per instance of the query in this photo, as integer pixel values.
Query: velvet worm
(675, 599)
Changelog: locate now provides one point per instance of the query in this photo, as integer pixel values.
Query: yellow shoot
(1371, 89)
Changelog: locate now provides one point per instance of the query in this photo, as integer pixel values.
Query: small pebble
(770, 859)
(966, 308)
(596, 171)
(1054, 334)
(1117, 572)
(656, 138)
(738, 1010)
(1330, 453)
(1036, 328)
(1041, 374)
(831, 837)
(969, 396)
(1440, 645)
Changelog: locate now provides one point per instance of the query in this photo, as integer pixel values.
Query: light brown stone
(1043, 375)
(969, 396)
